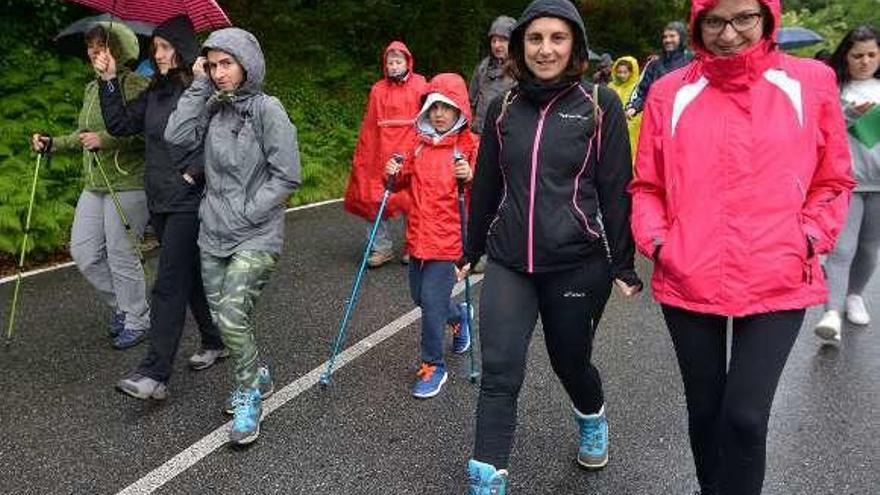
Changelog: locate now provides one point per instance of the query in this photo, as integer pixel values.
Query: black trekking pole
(467, 314)
(21, 257)
(355, 289)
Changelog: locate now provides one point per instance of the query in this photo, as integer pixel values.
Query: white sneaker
(205, 358)
(829, 326)
(856, 312)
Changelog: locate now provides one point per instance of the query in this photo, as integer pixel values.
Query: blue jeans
(430, 284)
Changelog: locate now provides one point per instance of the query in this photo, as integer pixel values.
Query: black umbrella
(790, 38)
(71, 39)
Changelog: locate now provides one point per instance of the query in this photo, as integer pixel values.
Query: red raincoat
(387, 129)
(433, 228)
(743, 178)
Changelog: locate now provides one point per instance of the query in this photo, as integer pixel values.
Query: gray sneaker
(142, 387)
(267, 387)
(205, 358)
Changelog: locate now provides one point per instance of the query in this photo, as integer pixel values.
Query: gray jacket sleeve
(282, 163)
(188, 123)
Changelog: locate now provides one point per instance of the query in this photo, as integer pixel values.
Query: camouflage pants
(232, 286)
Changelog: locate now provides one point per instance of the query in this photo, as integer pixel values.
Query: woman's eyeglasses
(740, 22)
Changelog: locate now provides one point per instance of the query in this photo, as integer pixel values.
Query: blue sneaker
(461, 330)
(246, 420)
(266, 384)
(593, 450)
(116, 325)
(431, 380)
(129, 337)
(484, 479)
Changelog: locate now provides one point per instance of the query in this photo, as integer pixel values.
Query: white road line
(217, 438)
(31, 273)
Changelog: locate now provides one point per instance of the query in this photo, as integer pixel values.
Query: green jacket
(122, 158)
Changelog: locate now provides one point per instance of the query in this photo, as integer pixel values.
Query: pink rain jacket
(742, 179)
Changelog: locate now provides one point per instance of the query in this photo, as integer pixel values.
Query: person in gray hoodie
(252, 166)
(489, 80)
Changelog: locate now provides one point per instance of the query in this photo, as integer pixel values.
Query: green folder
(867, 128)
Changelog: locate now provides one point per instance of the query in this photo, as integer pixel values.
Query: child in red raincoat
(442, 156)
(387, 129)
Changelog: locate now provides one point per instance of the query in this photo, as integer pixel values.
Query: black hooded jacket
(167, 191)
(669, 62)
(545, 172)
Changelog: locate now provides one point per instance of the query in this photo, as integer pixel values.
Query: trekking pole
(355, 289)
(21, 257)
(135, 243)
(467, 316)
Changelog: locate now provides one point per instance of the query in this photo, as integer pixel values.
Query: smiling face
(671, 40)
(225, 71)
(442, 116)
(622, 73)
(863, 60)
(164, 55)
(732, 26)
(549, 43)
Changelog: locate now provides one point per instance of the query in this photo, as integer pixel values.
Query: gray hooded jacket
(489, 80)
(251, 158)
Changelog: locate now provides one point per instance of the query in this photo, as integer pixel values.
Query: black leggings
(569, 303)
(728, 409)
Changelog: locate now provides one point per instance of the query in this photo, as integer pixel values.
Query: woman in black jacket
(550, 206)
(174, 187)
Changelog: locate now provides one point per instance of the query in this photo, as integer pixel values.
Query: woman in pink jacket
(742, 181)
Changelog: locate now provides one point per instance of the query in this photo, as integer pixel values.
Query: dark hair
(181, 74)
(838, 59)
(766, 17)
(577, 65)
(97, 33)
(626, 63)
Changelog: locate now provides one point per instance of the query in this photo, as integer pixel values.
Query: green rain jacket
(122, 158)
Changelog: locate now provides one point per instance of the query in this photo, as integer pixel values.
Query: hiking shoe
(856, 312)
(205, 358)
(404, 259)
(142, 387)
(248, 407)
(129, 337)
(379, 258)
(593, 449)
(266, 384)
(461, 331)
(828, 327)
(484, 479)
(431, 378)
(116, 325)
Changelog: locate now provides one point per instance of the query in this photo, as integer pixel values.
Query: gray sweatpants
(104, 254)
(851, 264)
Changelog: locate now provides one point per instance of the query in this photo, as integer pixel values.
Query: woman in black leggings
(550, 207)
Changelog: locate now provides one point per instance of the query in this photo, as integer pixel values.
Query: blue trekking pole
(355, 289)
(467, 321)
(27, 230)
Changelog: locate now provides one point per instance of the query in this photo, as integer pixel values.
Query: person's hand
(626, 289)
(392, 167)
(105, 65)
(40, 143)
(463, 171)
(90, 140)
(198, 67)
(630, 113)
(462, 272)
(863, 108)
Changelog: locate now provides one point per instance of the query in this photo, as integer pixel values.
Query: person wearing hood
(252, 167)
(174, 185)
(854, 259)
(675, 55)
(490, 80)
(626, 76)
(742, 182)
(99, 244)
(604, 74)
(387, 129)
(554, 157)
(439, 159)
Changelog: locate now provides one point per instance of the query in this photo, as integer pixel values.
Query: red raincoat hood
(399, 46)
(452, 86)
